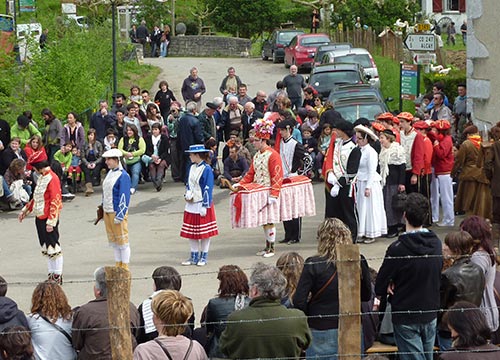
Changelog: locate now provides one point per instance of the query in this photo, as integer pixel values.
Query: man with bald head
(260, 101)
(294, 84)
(231, 116)
(248, 118)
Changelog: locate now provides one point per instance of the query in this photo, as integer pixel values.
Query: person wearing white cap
(372, 222)
(199, 223)
(115, 203)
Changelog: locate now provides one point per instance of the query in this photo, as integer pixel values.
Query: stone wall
(482, 62)
(197, 45)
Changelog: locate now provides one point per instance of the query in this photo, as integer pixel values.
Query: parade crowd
(394, 176)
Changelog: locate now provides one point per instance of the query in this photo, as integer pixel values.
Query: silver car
(357, 56)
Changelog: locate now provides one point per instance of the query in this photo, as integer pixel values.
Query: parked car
(274, 46)
(356, 56)
(323, 49)
(352, 110)
(302, 48)
(324, 78)
(357, 91)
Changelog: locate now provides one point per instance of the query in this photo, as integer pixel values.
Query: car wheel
(264, 57)
(275, 59)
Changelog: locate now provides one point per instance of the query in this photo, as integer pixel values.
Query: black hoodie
(416, 279)
(10, 315)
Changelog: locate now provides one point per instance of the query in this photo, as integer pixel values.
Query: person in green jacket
(24, 130)
(133, 147)
(265, 329)
(63, 156)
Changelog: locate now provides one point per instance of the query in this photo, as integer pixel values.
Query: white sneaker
(269, 253)
(187, 262)
(202, 262)
(261, 253)
(369, 240)
(132, 191)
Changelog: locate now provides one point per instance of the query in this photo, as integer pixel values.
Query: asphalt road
(155, 219)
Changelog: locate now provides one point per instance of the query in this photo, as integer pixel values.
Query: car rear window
(354, 112)
(329, 79)
(353, 95)
(361, 59)
(286, 37)
(308, 41)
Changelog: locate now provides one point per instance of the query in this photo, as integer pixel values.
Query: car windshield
(355, 111)
(361, 59)
(286, 37)
(328, 80)
(313, 41)
(334, 97)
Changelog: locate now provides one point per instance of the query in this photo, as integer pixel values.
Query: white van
(28, 39)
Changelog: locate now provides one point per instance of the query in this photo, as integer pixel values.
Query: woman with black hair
(372, 222)
(470, 333)
(53, 133)
(133, 147)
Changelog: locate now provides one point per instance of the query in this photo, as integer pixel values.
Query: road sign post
(409, 80)
(420, 42)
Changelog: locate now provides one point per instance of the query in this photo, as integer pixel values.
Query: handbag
(398, 201)
(320, 291)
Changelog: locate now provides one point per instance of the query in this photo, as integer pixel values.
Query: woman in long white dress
(372, 222)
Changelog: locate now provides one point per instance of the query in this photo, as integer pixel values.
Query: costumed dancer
(266, 170)
(115, 202)
(372, 221)
(292, 155)
(46, 206)
(199, 214)
(340, 171)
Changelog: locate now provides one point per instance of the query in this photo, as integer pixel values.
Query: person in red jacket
(413, 143)
(441, 184)
(423, 127)
(46, 206)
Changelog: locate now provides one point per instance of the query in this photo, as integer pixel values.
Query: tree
(247, 18)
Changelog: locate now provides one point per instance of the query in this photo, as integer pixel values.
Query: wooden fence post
(118, 284)
(349, 273)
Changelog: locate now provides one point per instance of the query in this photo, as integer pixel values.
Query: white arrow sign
(420, 42)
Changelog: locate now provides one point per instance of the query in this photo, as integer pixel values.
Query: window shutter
(461, 6)
(437, 6)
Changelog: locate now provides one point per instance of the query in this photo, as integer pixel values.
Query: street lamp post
(113, 21)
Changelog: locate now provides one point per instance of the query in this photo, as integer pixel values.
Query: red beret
(406, 116)
(442, 124)
(421, 125)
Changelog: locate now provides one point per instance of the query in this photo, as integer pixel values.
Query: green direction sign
(27, 5)
(409, 81)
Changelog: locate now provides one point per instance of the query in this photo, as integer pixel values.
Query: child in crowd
(249, 144)
(135, 95)
(323, 144)
(312, 120)
(231, 91)
(63, 156)
(74, 167)
(310, 144)
(110, 141)
(243, 151)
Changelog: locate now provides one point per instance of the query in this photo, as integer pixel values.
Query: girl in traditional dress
(199, 214)
(372, 222)
(115, 202)
(392, 160)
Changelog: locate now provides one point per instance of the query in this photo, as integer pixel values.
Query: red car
(302, 49)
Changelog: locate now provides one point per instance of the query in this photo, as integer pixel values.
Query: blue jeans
(324, 345)
(416, 341)
(135, 171)
(6, 190)
(163, 49)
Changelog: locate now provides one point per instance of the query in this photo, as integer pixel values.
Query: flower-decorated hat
(263, 128)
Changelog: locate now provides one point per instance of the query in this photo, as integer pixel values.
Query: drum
(249, 207)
